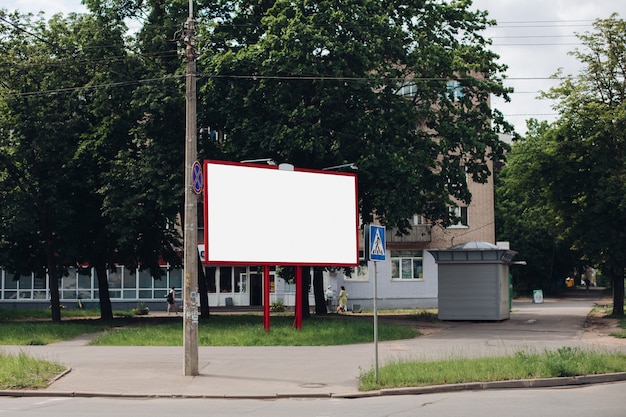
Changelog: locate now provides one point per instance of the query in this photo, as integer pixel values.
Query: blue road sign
(196, 177)
(377, 246)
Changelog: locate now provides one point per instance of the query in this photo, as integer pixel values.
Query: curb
(431, 389)
(511, 384)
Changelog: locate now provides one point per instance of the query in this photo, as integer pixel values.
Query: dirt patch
(425, 324)
(599, 327)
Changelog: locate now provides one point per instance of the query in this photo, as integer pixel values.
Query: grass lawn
(33, 327)
(22, 372)
(247, 330)
(548, 364)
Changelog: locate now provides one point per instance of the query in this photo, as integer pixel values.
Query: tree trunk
(53, 283)
(106, 310)
(203, 290)
(618, 291)
(318, 291)
(306, 284)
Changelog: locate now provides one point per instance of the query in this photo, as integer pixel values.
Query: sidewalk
(271, 372)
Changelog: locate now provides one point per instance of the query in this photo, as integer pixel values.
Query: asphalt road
(606, 400)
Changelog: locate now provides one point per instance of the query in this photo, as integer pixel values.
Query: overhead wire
(501, 25)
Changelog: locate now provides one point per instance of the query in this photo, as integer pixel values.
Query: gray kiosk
(473, 281)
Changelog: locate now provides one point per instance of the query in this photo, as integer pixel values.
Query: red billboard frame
(314, 221)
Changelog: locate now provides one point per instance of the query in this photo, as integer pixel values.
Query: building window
(209, 273)
(67, 288)
(85, 283)
(82, 283)
(115, 281)
(407, 90)
(226, 279)
(360, 273)
(455, 91)
(407, 265)
(419, 220)
(9, 286)
(241, 276)
(459, 217)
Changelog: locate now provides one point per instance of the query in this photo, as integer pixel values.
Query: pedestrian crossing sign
(377, 249)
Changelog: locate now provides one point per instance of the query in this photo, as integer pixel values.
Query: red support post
(299, 303)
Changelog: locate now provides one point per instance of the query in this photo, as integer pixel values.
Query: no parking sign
(196, 177)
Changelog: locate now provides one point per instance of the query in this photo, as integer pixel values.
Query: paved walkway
(270, 372)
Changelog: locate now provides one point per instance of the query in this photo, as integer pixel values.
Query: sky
(533, 38)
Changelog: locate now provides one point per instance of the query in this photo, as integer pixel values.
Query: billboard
(262, 215)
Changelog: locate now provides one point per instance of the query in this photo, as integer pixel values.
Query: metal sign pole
(376, 251)
(375, 321)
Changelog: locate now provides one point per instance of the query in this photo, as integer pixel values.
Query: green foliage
(561, 199)
(141, 309)
(523, 218)
(22, 372)
(318, 85)
(584, 169)
(523, 365)
(277, 306)
(87, 157)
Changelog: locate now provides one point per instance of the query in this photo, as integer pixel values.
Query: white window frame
(397, 262)
(460, 212)
(455, 90)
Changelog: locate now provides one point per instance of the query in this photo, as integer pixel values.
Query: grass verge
(44, 333)
(28, 314)
(549, 364)
(247, 330)
(23, 372)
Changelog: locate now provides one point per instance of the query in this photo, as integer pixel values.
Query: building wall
(424, 292)
(392, 293)
(476, 291)
(481, 219)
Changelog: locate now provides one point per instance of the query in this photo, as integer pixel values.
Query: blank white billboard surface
(262, 215)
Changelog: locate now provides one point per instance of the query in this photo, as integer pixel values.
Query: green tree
(108, 181)
(585, 166)
(323, 86)
(41, 123)
(523, 219)
(399, 89)
(145, 185)
(137, 146)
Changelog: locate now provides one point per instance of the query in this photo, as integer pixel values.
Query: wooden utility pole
(190, 285)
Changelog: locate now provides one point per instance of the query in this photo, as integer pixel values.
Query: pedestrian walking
(343, 300)
(171, 300)
(329, 298)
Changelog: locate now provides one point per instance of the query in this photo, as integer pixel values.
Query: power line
(545, 21)
(537, 44)
(91, 87)
(256, 78)
(533, 36)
